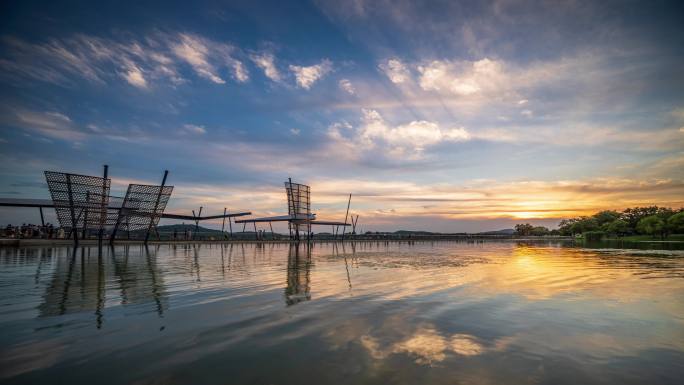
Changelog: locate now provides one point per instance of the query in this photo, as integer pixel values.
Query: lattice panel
(143, 206)
(80, 200)
(298, 198)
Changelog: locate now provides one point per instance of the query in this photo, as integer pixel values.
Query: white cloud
(194, 129)
(395, 70)
(347, 86)
(462, 78)
(90, 58)
(134, 76)
(526, 113)
(240, 71)
(266, 61)
(295, 131)
(307, 76)
(49, 123)
(409, 139)
(195, 52)
(522, 102)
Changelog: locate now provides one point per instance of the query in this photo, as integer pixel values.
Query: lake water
(383, 313)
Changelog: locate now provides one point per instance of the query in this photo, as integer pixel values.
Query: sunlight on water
(425, 312)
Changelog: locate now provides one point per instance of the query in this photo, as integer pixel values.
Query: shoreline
(10, 242)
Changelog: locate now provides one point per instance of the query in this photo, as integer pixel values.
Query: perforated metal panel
(80, 200)
(298, 199)
(143, 206)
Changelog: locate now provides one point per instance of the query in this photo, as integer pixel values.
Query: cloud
(295, 131)
(307, 76)
(52, 124)
(395, 70)
(135, 77)
(266, 61)
(94, 59)
(194, 129)
(462, 78)
(239, 71)
(347, 86)
(140, 63)
(195, 52)
(409, 139)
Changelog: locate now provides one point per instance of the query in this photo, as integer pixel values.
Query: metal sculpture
(80, 201)
(142, 207)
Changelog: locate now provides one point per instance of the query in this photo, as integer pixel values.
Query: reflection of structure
(79, 283)
(298, 275)
(299, 216)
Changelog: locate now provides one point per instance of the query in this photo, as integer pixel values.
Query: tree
(675, 223)
(565, 226)
(539, 231)
(618, 227)
(606, 216)
(583, 224)
(523, 229)
(651, 225)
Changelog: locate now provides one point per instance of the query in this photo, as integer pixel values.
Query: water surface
(404, 313)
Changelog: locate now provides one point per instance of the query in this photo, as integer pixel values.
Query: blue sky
(440, 115)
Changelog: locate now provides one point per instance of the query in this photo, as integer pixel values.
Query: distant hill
(182, 228)
(499, 232)
(400, 232)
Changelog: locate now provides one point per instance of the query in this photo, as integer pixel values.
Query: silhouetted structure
(80, 201)
(83, 203)
(142, 207)
(298, 212)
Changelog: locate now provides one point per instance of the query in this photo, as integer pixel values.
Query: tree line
(650, 220)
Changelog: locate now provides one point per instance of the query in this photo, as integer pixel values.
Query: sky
(436, 115)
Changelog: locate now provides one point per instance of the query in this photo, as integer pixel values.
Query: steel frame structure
(299, 212)
(142, 208)
(83, 202)
(80, 201)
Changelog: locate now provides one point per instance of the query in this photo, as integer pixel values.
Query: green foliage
(606, 216)
(627, 222)
(651, 225)
(675, 223)
(594, 235)
(539, 231)
(526, 229)
(618, 227)
(636, 214)
(523, 229)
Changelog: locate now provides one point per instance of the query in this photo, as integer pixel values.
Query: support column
(103, 207)
(73, 214)
(156, 206)
(223, 225)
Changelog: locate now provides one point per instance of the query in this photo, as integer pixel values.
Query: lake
(370, 312)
